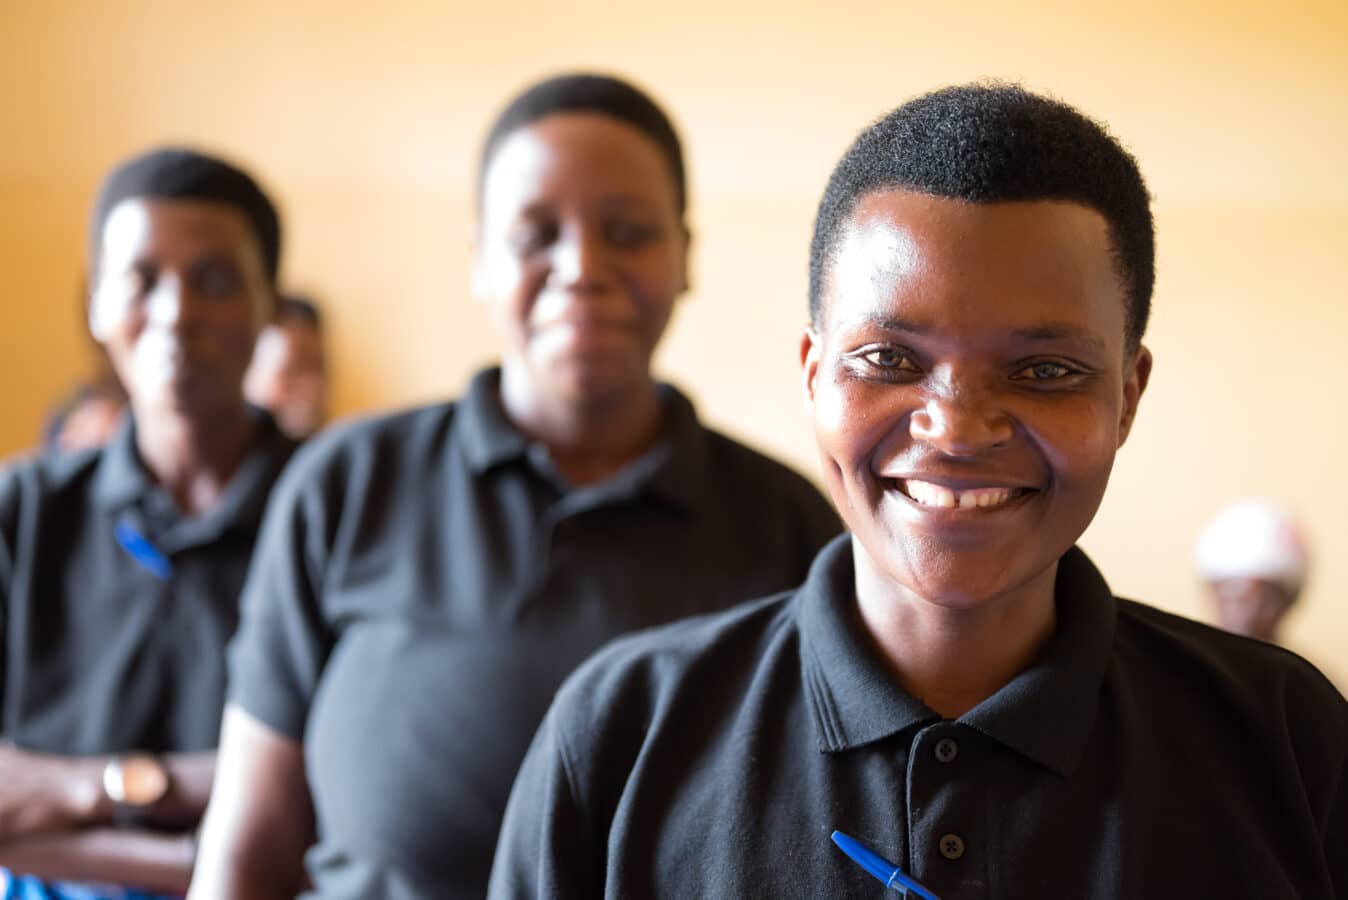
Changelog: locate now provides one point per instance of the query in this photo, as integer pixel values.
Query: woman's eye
(532, 237)
(1044, 371)
(140, 280)
(219, 280)
(630, 235)
(890, 358)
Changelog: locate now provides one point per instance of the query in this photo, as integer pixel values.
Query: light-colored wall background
(365, 120)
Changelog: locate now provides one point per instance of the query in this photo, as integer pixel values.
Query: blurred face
(969, 388)
(181, 293)
(1251, 606)
(288, 376)
(581, 253)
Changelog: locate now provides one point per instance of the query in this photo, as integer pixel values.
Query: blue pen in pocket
(143, 552)
(881, 868)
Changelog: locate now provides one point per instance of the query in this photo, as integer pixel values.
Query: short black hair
(301, 309)
(587, 92)
(179, 173)
(993, 143)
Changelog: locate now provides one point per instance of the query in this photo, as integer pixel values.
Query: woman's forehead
(1002, 262)
(582, 151)
(139, 225)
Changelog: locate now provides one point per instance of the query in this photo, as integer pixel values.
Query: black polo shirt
(426, 582)
(1141, 755)
(115, 608)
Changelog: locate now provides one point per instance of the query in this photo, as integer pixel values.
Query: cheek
(653, 281)
(851, 423)
(234, 326)
(515, 296)
(1080, 449)
(239, 344)
(114, 313)
(226, 340)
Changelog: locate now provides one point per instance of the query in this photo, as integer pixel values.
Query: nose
(962, 421)
(579, 260)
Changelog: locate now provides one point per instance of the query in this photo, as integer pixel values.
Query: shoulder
(358, 467)
(745, 471)
(384, 444)
(1269, 688)
(405, 432)
(45, 476)
(1249, 663)
(46, 487)
(743, 459)
(639, 677)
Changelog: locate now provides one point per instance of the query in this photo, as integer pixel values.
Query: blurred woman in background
(430, 578)
(121, 567)
(289, 373)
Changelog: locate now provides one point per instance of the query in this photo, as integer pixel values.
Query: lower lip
(584, 323)
(590, 335)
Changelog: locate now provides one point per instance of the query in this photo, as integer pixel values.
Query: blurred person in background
(89, 416)
(121, 567)
(428, 579)
(289, 373)
(1254, 558)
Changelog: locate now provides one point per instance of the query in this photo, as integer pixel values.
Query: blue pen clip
(143, 552)
(880, 867)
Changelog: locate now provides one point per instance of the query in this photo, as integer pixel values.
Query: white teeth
(927, 494)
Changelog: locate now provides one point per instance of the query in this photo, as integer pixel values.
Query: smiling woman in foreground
(955, 683)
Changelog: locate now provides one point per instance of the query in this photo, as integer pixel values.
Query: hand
(41, 792)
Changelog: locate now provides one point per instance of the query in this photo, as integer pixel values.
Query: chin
(956, 577)
(595, 380)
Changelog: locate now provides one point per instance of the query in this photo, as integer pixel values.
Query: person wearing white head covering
(1254, 557)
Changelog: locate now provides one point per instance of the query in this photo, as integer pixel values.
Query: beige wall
(365, 118)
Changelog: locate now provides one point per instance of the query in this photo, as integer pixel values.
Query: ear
(1134, 384)
(810, 350)
(270, 313)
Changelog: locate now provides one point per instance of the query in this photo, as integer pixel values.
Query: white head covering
(1254, 538)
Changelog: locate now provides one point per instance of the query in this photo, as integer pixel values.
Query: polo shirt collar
(674, 469)
(854, 698)
(1045, 713)
(121, 478)
(679, 473)
(488, 438)
(122, 484)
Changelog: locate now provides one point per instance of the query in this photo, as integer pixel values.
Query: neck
(194, 459)
(954, 657)
(588, 439)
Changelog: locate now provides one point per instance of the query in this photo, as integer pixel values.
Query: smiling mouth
(924, 493)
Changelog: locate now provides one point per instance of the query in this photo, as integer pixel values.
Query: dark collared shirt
(1142, 755)
(429, 579)
(115, 608)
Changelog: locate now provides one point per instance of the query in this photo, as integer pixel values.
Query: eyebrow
(545, 208)
(1059, 331)
(1039, 334)
(892, 323)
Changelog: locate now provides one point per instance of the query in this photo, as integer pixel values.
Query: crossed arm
(56, 821)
